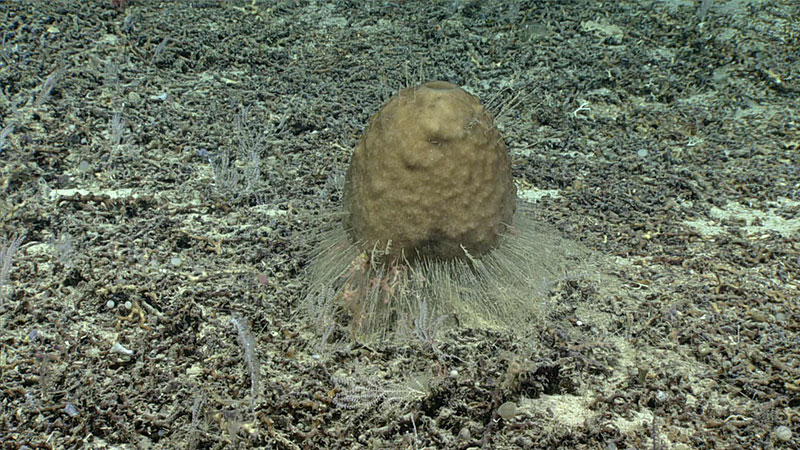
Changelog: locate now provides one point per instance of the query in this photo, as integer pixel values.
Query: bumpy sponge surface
(430, 174)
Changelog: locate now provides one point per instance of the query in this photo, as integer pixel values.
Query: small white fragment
(110, 304)
(118, 348)
(71, 410)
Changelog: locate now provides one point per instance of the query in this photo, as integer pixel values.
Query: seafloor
(171, 164)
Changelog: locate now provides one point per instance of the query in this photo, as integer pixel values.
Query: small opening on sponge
(440, 85)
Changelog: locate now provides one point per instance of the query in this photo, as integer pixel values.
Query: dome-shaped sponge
(430, 177)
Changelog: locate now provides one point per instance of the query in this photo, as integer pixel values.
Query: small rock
(507, 410)
(782, 433)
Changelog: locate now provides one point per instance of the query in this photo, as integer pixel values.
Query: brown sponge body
(430, 174)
